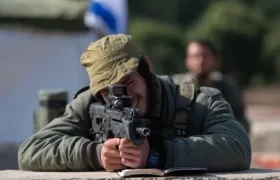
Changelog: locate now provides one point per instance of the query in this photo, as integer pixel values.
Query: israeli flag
(107, 16)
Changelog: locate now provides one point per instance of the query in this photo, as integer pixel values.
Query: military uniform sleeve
(63, 144)
(223, 144)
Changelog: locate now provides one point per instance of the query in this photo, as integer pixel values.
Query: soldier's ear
(149, 62)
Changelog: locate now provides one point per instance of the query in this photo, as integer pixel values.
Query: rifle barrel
(143, 131)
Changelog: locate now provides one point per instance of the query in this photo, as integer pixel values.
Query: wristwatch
(153, 159)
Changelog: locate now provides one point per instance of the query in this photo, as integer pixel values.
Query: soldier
(189, 127)
(202, 62)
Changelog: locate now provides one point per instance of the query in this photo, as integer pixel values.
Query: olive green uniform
(214, 138)
(228, 88)
(207, 135)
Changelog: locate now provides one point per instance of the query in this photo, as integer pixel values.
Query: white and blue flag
(107, 16)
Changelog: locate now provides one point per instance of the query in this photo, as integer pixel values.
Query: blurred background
(41, 42)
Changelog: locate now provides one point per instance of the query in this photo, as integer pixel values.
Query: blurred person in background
(202, 62)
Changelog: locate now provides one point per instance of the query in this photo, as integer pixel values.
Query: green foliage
(237, 30)
(162, 42)
(271, 47)
(178, 12)
(229, 16)
(245, 32)
(270, 8)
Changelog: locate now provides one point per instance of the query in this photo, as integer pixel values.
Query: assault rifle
(118, 118)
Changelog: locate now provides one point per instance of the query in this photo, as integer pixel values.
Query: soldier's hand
(134, 156)
(110, 155)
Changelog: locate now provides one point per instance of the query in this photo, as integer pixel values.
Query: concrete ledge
(249, 174)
